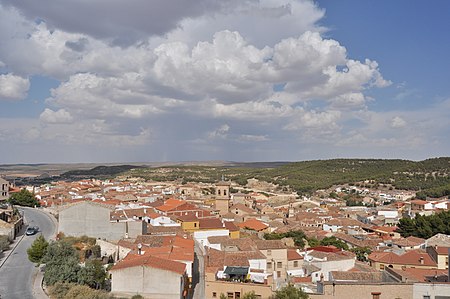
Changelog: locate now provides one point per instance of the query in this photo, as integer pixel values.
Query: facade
(4, 189)
(150, 277)
(276, 253)
(234, 290)
(378, 290)
(91, 219)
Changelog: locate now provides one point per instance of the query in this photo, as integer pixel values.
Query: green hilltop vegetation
(430, 177)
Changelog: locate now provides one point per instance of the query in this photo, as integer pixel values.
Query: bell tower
(222, 196)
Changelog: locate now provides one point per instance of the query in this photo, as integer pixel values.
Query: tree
(37, 250)
(406, 227)
(83, 292)
(92, 274)
(298, 237)
(62, 263)
(24, 198)
(425, 226)
(290, 292)
(361, 253)
(313, 242)
(334, 241)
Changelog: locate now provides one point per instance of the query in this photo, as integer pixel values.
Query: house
(189, 222)
(4, 189)
(439, 254)
(408, 243)
(177, 207)
(276, 253)
(233, 229)
(149, 276)
(241, 209)
(410, 259)
(254, 225)
(11, 222)
(235, 273)
(362, 286)
(420, 205)
(325, 262)
(295, 262)
(173, 248)
(342, 225)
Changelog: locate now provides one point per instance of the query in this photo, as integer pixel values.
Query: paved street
(198, 277)
(17, 274)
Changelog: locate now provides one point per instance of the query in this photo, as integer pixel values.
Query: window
(279, 265)
(426, 297)
(230, 295)
(269, 265)
(278, 274)
(224, 192)
(376, 295)
(269, 252)
(195, 224)
(214, 295)
(237, 295)
(381, 267)
(295, 263)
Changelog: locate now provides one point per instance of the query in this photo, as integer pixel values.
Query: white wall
(260, 264)
(202, 236)
(431, 289)
(327, 266)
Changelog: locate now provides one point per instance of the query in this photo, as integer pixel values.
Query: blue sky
(265, 80)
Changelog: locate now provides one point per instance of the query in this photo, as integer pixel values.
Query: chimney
(421, 260)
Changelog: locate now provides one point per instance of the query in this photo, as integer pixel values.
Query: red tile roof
(231, 226)
(412, 257)
(171, 204)
(293, 255)
(210, 223)
(253, 224)
(132, 260)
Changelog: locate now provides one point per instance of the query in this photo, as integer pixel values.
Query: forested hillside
(431, 177)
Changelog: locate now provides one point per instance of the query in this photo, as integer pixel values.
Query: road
(17, 273)
(198, 276)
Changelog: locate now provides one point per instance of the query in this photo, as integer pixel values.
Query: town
(225, 240)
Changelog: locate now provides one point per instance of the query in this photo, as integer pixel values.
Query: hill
(431, 176)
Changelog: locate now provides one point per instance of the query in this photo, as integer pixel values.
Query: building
(222, 198)
(150, 277)
(87, 218)
(4, 189)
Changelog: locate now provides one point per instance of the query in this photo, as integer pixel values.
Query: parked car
(31, 230)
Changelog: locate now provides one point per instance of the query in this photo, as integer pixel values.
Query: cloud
(252, 138)
(197, 76)
(13, 87)
(117, 21)
(398, 122)
(221, 132)
(56, 117)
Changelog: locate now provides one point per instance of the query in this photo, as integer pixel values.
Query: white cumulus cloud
(13, 87)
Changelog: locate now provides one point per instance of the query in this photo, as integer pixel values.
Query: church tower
(222, 196)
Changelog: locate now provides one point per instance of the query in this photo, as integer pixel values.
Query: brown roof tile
(132, 260)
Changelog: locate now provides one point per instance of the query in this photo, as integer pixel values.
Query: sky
(235, 80)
